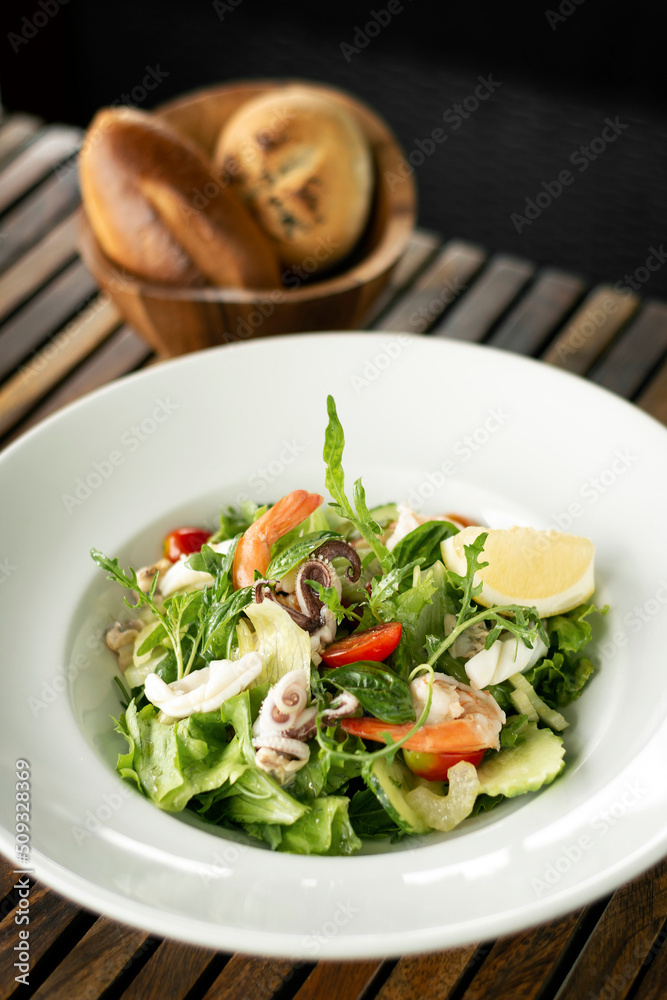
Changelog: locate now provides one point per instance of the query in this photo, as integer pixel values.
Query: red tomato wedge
(184, 541)
(374, 643)
(450, 737)
(434, 766)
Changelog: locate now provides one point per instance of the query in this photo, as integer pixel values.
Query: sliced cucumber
(548, 715)
(390, 784)
(524, 705)
(137, 672)
(524, 768)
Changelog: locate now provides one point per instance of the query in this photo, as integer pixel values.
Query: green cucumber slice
(524, 768)
(548, 715)
(390, 784)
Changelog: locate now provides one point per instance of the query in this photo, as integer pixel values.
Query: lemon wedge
(546, 569)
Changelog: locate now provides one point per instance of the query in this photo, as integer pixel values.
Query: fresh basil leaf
(422, 544)
(288, 559)
(368, 818)
(380, 691)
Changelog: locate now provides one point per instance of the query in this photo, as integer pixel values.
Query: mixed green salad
(310, 674)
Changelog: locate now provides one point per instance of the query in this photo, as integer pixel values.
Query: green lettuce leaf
(172, 763)
(282, 645)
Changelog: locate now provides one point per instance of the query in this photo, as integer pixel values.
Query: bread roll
(142, 186)
(305, 169)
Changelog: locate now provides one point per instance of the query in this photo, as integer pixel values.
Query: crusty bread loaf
(305, 169)
(141, 184)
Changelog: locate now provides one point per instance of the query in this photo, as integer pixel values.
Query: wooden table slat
(434, 290)
(623, 938)
(421, 248)
(7, 877)
(15, 132)
(248, 978)
(429, 977)
(520, 967)
(172, 971)
(653, 399)
(592, 328)
(626, 365)
(90, 328)
(94, 962)
(542, 310)
(121, 354)
(349, 980)
(48, 150)
(31, 326)
(50, 915)
(495, 289)
(38, 265)
(24, 226)
(653, 985)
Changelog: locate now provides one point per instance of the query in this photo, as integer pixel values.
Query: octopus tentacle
(335, 548)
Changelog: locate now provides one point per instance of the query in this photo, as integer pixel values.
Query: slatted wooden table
(59, 338)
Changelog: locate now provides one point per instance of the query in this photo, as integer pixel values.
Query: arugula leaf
(329, 597)
(170, 614)
(524, 623)
(380, 691)
(235, 520)
(359, 516)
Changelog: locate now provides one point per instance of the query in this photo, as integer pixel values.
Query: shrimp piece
(253, 551)
(461, 719)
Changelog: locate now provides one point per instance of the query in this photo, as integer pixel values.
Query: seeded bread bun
(139, 179)
(304, 167)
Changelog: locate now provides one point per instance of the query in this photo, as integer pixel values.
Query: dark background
(561, 74)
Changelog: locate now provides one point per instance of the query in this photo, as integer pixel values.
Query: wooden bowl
(175, 319)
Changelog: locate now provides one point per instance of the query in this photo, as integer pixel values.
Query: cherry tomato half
(184, 541)
(434, 766)
(374, 643)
